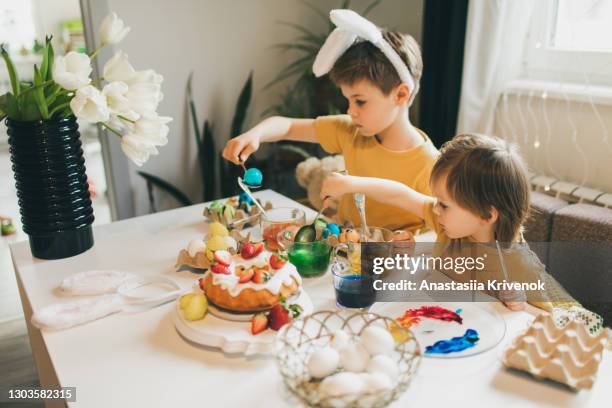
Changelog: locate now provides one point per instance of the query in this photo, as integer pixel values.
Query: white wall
(221, 41)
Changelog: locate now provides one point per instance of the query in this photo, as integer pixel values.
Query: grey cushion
(538, 227)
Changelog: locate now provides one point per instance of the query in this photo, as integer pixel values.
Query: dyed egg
(244, 198)
(339, 340)
(333, 229)
(349, 235)
(323, 362)
(195, 246)
(216, 228)
(377, 340)
(253, 177)
(341, 384)
(354, 358)
(216, 243)
(383, 364)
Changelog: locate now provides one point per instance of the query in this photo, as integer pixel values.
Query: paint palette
(448, 329)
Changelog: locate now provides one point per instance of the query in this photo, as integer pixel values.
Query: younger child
(480, 202)
(379, 76)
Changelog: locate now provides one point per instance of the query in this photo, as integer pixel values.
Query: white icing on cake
(278, 277)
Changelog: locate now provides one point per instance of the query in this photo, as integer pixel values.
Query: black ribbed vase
(52, 186)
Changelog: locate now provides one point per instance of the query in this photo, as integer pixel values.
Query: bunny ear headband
(351, 26)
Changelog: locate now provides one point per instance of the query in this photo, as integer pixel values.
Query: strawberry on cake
(252, 280)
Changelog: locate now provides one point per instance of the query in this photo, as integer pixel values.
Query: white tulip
(118, 68)
(152, 129)
(115, 97)
(144, 97)
(72, 70)
(137, 150)
(89, 104)
(112, 30)
(146, 76)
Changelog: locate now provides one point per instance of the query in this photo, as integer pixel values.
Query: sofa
(574, 241)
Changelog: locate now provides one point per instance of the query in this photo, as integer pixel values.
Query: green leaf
(44, 65)
(12, 106)
(50, 59)
(307, 33)
(10, 67)
(242, 105)
(39, 94)
(167, 187)
(295, 67)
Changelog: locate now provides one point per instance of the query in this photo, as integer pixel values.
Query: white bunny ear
(350, 21)
(335, 45)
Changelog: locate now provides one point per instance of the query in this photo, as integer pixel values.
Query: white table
(133, 360)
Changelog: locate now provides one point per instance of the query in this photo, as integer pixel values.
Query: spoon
(308, 233)
(360, 203)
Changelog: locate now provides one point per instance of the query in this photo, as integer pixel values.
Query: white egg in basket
(380, 376)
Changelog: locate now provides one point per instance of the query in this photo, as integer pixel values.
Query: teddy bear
(310, 174)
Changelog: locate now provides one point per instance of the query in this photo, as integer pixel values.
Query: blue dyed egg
(244, 198)
(253, 177)
(333, 229)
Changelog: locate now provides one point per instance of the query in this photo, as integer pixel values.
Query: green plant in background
(207, 153)
(308, 96)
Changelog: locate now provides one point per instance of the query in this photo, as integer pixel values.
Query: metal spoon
(360, 203)
(308, 233)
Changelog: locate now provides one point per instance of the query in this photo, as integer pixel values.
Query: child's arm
(272, 129)
(382, 190)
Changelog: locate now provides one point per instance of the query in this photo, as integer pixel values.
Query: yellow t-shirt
(366, 157)
(521, 264)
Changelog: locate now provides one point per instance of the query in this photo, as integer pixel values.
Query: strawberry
(223, 257)
(250, 250)
(201, 283)
(277, 261)
(261, 275)
(244, 274)
(220, 268)
(259, 323)
(278, 316)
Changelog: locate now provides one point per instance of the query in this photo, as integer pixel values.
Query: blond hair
(363, 60)
(484, 172)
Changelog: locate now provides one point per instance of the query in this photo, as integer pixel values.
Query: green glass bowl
(310, 258)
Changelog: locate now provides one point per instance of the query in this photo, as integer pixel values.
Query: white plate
(481, 317)
(231, 336)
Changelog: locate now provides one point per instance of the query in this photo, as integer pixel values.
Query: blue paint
(244, 198)
(253, 177)
(458, 311)
(454, 345)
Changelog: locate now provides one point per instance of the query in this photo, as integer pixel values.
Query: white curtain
(494, 42)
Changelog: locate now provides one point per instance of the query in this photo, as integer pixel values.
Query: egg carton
(565, 346)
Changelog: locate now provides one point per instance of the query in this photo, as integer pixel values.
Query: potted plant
(41, 118)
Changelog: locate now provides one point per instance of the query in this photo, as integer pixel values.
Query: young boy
(376, 136)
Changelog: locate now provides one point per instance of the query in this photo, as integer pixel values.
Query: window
(570, 41)
(17, 26)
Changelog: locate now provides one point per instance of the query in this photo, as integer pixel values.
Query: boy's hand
(336, 185)
(513, 299)
(239, 148)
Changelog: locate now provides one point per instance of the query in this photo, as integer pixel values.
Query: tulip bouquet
(124, 100)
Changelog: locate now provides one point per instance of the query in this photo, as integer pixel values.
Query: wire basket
(298, 340)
